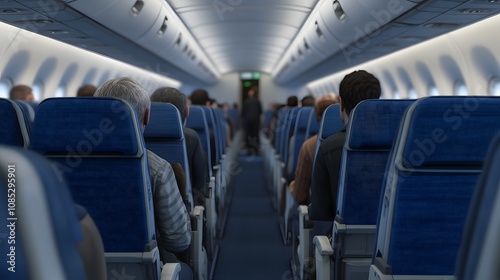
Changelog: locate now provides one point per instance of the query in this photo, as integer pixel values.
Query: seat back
(478, 256)
(42, 233)
(287, 133)
(164, 136)
(299, 137)
(313, 126)
(14, 125)
(432, 172)
(97, 144)
(198, 122)
(28, 113)
(329, 125)
(214, 135)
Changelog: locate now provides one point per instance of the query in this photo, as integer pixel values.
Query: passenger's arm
(171, 217)
(302, 182)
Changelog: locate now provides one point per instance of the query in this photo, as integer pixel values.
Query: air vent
(475, 11)
(306, 45)
(300, 52)
(163, 27)
(318, 30)
(440, 25)
(59, 32)
(179, 40)
(137, 8)
(11, 11)
(339, 12)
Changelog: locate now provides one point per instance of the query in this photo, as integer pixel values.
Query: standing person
(251, 111)
(21, 92)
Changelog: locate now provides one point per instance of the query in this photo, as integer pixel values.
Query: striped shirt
(172, 219)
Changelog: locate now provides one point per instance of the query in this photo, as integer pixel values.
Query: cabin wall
(467, 56)
(31, 59)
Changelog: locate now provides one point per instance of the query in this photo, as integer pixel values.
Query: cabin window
(495, 87)
(37, 90)
(60, 92)
(396, 95)
(5, 86)
(461, 89)
(433, 91)
(412, 93)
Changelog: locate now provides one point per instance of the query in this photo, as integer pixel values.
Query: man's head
(200, 97)
(307, 101)
(131, 91)
(292, 101)
(356, 87)
(174, 96)
(22, 92)
(86, 90)
(322, 103)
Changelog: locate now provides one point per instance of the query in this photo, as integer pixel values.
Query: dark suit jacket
(197, 165)
(325, 178)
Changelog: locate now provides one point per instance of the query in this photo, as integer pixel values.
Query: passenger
(196, 159)
(300, 187)
(251, 111)
(200, 97)
(354, 88)
(21, 92)
(292, 101)
(172, 219)
(307, 101)
(86, 90)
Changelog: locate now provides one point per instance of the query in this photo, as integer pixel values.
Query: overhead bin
(130, 18)
(320, 38)
(351, 20)
(162, 34)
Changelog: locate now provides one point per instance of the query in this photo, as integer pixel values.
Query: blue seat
(164, 136)
(198, 122)
(330, 124)
(97, 144)
(28, 113)
(478, 255)
(14, 127)
(370, 133)
(433, 169)
(313, 126)
(44, 223)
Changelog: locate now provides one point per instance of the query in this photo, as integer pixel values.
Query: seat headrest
(331, 122)
(164, 123)
(374, 123)
(303, 118)
(86, 126)
(13, 128)
(450, 131)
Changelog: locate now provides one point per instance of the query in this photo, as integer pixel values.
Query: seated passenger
(195, 154)
(86, 90)
(354, 88)
(21, 92)
(172, 219)
(300, 187)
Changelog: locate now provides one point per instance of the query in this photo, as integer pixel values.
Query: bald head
(22, 92)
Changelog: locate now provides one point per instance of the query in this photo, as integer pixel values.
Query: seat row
(98, 147)
(409, 169)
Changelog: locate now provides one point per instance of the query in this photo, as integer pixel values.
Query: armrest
(323, 246)
(170, 271)
(305, 239)
(322, 253)
(198, 255)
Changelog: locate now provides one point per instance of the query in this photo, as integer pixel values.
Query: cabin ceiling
(195, 41)
(242, 34)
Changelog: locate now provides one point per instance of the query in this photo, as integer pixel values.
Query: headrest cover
(450, 131)
(86, 126)
(164, 122)
(331, 122)
(374, 123)
(10, 129)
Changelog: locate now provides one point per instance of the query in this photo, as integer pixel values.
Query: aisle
(252, 247)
